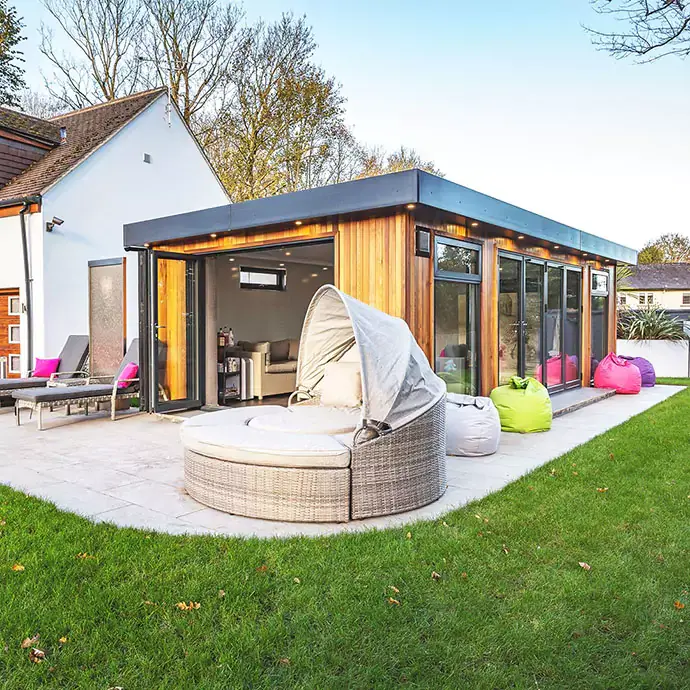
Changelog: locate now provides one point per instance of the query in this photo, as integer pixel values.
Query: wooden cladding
(9, 324)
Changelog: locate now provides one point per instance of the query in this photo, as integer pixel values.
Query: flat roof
(372, 194)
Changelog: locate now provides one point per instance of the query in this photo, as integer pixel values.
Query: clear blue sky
(508, 97)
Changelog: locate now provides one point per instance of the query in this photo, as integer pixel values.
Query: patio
(130, 472)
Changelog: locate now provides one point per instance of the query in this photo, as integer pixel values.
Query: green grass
(512, 607)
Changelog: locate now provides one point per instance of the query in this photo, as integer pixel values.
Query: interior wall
(256, 315)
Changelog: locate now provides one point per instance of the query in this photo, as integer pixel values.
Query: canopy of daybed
(397, 382)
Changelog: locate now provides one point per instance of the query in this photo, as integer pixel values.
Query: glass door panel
(573, 321)
(509, 318)
(534, 318)
(456, 338)
(553, 325)
(175, 332)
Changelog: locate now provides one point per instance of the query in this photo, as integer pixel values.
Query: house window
(686, 299)
(263, 278)
(641, 298)
(14, 306)
(13, 335)
(622, 300)
(650, 298)
(456, 314)
(15, 364)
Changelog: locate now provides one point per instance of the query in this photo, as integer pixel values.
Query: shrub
(648, 323)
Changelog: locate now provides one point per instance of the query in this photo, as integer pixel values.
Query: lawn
(492, 596)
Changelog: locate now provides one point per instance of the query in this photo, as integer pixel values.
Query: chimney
(63, 135)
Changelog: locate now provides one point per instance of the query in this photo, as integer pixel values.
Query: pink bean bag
(553, 370)
(618, 373)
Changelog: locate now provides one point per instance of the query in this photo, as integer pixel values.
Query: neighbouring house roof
(391, 191)
(86, 131)
(659, 277)
(44, 131)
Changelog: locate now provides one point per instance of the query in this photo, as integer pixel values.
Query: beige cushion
(243, 444)
(341, 385)
(310, 419)
(262, 346)
(286, 367)
(233, 416)
(294, 349)
(280, 350)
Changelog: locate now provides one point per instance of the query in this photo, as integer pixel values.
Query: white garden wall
(669, 358)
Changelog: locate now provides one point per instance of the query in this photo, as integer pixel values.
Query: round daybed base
(243, 469)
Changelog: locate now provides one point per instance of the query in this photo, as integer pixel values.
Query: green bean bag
(523, 405)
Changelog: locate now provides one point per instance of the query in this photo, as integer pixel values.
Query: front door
(176, 331)
(539, 321)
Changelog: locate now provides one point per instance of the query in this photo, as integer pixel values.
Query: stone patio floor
(130, 472)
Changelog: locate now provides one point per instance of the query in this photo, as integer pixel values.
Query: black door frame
(521, 323)
(195, 306)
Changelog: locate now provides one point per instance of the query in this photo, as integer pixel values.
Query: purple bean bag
(646, 370)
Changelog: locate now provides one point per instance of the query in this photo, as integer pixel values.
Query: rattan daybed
(330, 457)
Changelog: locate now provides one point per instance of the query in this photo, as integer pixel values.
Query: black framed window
(457, 271)
(252, 278)
(599, 318)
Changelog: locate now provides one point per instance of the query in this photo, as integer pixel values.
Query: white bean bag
(473, 427)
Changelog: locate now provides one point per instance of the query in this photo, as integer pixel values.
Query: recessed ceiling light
(585, 254)
(147, 245)
(281, 264)
(325, 268)
(231, 259)
(410, 206)
(298, 222)
(214, 235)
(314, 275)
(521, 237)
(288, 253)
(556, 246)
(475, 224)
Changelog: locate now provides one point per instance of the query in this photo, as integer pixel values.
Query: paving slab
(130, 472)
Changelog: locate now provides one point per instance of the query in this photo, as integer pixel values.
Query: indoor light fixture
(325, 268)
(281, 264)
(314, 275)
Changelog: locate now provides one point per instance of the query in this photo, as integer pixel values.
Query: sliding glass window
(457, 269)
(599, 318)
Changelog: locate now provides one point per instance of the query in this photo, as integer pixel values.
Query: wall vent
(147, 158)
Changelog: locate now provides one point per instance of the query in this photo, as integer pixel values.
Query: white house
(73, 181)
(665, 286)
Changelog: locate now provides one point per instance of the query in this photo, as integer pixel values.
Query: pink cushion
(45, 367)
(129, 372)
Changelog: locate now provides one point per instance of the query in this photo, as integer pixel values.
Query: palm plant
(648, 323)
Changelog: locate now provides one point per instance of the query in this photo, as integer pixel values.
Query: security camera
(52, 223)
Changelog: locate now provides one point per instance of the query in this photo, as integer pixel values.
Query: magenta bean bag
(553, 370)
(646, 370)
(618, 373)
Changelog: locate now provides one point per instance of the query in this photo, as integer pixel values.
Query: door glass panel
(572, 326)
(553, 326)
(534, 313)
(456, 338)
(509, 292)
(600, 331)
(175, 330)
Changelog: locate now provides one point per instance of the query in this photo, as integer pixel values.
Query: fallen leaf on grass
(184, 606)
(603, 489)
(29, 641)
(296, 580)
(553, 472)
(17, 567)
(395, 589)
(679, 605)
(84, 556)
(463, 575)
(409, 534)
(284, 662)
(445, 524)
(63, 640)
(2, 523)
(575, 473)
(221, 593)
(435, 575)
(37, 655)
(393, 602)
(505, 549)
(262, 569)
(585, 566)
(149, 603)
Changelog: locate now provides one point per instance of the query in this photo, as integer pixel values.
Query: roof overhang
(372, 194)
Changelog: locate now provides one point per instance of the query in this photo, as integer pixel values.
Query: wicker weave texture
(402, 470)
(270, 493)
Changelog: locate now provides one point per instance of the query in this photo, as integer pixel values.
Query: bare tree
(650, 29)
(377, 162)
(192, 45)
(105, 34)
(40, 105)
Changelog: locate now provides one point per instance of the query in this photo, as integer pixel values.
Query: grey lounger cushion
(14, 384)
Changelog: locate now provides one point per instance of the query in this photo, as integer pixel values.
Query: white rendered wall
(12, 270)
(111, 188)
(669, 358)
(665, 299)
